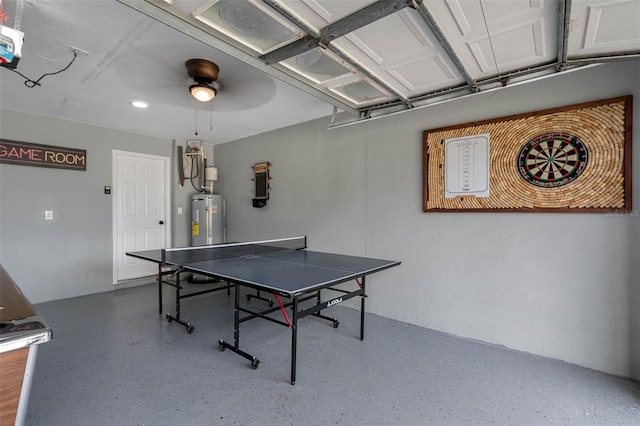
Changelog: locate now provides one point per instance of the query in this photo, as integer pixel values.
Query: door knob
(161, 222)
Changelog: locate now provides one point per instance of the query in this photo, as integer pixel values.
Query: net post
(164, 257)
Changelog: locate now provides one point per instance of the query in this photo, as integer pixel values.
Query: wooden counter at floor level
(22, 330)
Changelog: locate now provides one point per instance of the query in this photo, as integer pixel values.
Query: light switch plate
(48, 215)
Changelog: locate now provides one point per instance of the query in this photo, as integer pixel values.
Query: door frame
(114, 217)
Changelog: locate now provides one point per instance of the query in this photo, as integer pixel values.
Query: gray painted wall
(74, 251)
(72, 254)
(559, 285)
(358, 190)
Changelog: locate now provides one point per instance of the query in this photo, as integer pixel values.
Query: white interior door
(140, 211)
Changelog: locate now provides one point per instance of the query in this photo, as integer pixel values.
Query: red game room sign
(33, 154)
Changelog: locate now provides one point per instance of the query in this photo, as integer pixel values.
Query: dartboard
(552, 159)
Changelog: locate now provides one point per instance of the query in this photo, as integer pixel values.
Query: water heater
(207, 219)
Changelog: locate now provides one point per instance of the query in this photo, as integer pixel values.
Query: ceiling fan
(204, 73)
(244, 88)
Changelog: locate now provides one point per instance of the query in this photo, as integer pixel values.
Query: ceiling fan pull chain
(196, 120)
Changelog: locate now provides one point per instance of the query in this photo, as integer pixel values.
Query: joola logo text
(334, 301)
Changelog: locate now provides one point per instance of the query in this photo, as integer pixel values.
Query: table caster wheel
(169, 319)
(221, 345)
(270, 303)
(254, 363)
(190, 329)
(336, 323)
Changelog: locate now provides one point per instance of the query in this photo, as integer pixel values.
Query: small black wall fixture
(262, 183)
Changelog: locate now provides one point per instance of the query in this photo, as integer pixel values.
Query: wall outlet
(48, 215)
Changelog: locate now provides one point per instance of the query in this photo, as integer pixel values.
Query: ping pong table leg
(236, 320)
(160, 288)
(176, 317)
(177, 295)
(362, 309)
(294, 339)
(236, 334)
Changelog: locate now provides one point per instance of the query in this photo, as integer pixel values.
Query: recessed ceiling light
(139, 104)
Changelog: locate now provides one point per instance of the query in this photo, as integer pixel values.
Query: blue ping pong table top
(287, 272)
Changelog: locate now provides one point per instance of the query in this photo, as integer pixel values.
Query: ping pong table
(281, 267)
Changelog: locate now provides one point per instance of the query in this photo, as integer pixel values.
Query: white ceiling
(287, 61)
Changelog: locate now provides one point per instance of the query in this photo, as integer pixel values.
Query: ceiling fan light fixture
(202, 92)
(204, 72)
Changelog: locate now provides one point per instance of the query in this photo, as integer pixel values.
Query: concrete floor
(114, 360)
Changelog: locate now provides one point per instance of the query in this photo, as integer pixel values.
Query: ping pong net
(182, 255)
